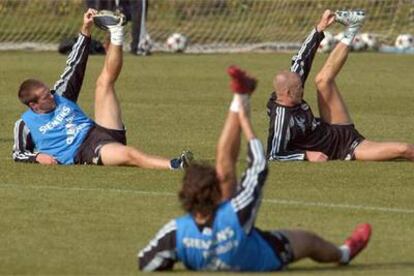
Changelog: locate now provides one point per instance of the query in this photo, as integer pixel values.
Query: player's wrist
(320, 28)
(34, 158)
(86, 31)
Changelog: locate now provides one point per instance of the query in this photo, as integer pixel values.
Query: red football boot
(241, 83)
(358, 240)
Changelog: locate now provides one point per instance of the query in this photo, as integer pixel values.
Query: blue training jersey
(61, 132)
(224, 246)
(231, 242)
(69, 86)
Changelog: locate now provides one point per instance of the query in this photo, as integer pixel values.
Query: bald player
(294, 132)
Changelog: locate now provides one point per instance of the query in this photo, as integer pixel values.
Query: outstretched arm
(70, 82)
(302, 61)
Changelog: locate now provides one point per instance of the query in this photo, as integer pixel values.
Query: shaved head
(288, 84)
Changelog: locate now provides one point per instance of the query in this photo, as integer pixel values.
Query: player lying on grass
(218, 231)
(54, 130)
(294, 133)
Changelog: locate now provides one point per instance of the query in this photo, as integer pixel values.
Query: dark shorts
(280, 246)
(89, 151)
(343, 141)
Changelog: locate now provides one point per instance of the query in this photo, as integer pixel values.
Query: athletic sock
(350, 34)
(175, 164)
(117, 35)
(345, 254)
(237, 100)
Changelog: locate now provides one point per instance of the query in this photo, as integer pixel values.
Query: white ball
(404, 41)
(146, 44)
(370, 41)
(177, 42)
(327, 44)
(358, 44)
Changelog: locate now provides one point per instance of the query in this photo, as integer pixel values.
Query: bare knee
(313, 242)
(104, 81)
(133, 156)
(323, 80)
(225, 173)
(304, 243)
(405, 150)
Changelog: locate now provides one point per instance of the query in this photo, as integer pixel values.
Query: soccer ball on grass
(404, 41)
(177, 43)
(370, 41)
(358, 44)
(145, 45)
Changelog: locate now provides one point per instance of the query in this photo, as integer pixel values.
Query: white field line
(269, 201)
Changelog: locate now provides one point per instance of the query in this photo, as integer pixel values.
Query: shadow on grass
(354, 267)
(6, 140)
(398, 266)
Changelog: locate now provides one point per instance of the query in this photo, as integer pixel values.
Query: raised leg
(228, 148)
(107, 108)
(108, 115)
(332, 108)
(383, 151)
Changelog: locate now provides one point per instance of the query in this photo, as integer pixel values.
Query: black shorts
(343, 140)
(89, 151)
(280, 246)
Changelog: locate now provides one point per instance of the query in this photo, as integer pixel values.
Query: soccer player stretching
(294, 133)
(54, 130)
(218, 231)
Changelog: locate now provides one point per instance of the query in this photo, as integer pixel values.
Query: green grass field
(92, 220)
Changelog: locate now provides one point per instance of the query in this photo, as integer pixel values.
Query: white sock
(239, 99)
(349, 35)
(117, 35)
(345, 254)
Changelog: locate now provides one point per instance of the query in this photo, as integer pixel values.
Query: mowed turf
(92, 220)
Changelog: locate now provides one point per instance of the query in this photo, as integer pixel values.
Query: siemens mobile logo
(57, 120)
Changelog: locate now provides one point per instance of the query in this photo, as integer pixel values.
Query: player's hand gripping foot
(186, 158)
(350, 18)
(358, 240)
(328, 17)
(106, 19)
(241, 83)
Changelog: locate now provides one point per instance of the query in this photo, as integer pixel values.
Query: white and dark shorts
(98, 136)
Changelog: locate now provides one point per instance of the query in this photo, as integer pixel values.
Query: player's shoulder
(19, 123)
(167, 229)
(170, 226)
(229, 206)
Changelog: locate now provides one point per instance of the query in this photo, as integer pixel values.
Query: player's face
(298, 94)
(45, 102)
